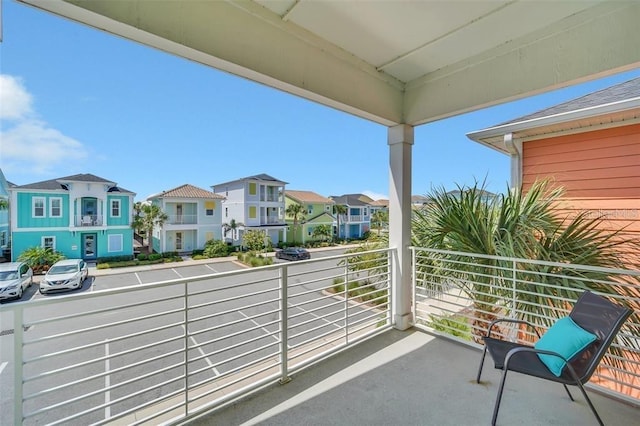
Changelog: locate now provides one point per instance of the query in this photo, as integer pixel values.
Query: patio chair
(568, 353)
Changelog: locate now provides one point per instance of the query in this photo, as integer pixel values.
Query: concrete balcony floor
(414, 378)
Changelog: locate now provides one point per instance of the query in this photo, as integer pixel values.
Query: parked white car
(15, 277)
(68, 274)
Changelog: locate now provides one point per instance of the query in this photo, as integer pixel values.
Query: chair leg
(593, 409)
(484, 353)
(568, 393)
(499, 398)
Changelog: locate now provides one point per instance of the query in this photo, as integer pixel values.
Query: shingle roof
(620, 92)
(381, 203)
(307, 197)
(262, 176)
(352, 199)
(187, 191)
(55, 184)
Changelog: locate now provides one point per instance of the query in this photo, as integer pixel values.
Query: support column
(400, 140)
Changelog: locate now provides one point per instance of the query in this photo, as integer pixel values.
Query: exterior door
(89, 242)
(178, 240)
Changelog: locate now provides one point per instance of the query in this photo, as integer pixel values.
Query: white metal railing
(457, 294)
(182, 219)
(88, 220)
(271, 220)
(161, 352)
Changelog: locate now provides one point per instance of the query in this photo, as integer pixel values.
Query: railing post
(185, 321)
(346, 300)
(18, 333)
(414, 281)
(514, 298)
(284, 325)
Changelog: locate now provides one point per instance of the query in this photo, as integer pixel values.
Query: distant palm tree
(296, 212)
(146, 217)
(378, 219)
(231, 226)
(339, 209)
(322, 232)
(4, 204)
(516, 225)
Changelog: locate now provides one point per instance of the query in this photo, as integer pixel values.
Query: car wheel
(19, 293)
(30, 282)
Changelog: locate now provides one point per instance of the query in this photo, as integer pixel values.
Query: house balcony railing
(459, 293)
(163, 352)
(271, 220)
(353, 218)
(89, 220)
(182, 219)
(159, 352)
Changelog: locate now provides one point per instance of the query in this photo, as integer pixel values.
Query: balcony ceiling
(388, 61)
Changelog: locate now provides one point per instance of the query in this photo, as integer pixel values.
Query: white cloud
(31, 146)
(15, 101)
(375, 196)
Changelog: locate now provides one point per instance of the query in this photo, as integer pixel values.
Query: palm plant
(146, 217)
(322, 232)
(378, 219)
(338, 210)
(516, 225)
(296, 212)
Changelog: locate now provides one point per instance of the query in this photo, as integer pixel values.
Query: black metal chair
(592, 313)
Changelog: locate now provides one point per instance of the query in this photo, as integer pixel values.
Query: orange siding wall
(600, 171)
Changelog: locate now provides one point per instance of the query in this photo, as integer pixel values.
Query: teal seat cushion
(565, 338)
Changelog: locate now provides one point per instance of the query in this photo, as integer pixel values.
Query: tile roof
(307, 197)
(187, 191)
(381, 203)
(262, 176)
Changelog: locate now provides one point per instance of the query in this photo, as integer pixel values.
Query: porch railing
(182, 219)
(457, 294)
(161, 352)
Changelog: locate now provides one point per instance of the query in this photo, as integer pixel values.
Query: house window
(115, 208)
(38, 207)
(327, 208)
(114, 243)
(49, 242)
(226, 212)
(209, 206)
(309, 209)
(55, 207)
(252, 188)
(3, 238)
(252, 212)
(310, 231)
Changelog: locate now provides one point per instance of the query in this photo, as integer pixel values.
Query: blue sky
(77, 100)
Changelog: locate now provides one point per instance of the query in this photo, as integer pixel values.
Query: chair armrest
(515, 351)
(509, 320)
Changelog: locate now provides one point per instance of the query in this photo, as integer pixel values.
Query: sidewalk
(188, 261)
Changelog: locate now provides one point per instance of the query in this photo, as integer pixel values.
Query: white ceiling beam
(573, 51)
(248, 40)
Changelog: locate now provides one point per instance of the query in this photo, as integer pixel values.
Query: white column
(400, 139)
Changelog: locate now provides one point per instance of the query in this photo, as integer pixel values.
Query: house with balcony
(81, 216)
(194, 216)
(253, 203)
(318, 210)
(356, 220)
(590, 146)
(4, 218)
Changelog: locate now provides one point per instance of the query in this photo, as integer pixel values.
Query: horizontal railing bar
(218, 314)
(233, 298)
(236, 345)
(235, 370)
(237, 333)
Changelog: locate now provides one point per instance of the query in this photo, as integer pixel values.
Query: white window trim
(53, 239)
(119, 208)
(115, 236)
(51, 206)
(34, 200)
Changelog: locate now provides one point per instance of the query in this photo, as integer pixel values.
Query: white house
(194, 217)
(253, 203)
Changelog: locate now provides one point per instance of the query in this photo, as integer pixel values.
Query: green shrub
(143, 256)
(216, 248)
(40, 258)
(155, 256)
(455, 325)
(170, 254)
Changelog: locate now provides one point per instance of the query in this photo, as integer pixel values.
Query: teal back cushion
(566, 338)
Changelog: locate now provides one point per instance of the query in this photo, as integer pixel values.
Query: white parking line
(206, 358)
(258, 324)
(317, 316)
(2, 366)
(209, 267)
(138, 277)
(107, 382)
(177, 273)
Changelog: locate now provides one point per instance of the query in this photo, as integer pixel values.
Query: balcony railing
(183, 219)
(457, 294)
(271, 220)
(161, 352)
(89, 220)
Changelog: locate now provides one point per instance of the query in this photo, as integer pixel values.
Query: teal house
(4, 216)
(81, 216)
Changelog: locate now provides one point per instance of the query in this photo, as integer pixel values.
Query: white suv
(15, 277)
(68, 274)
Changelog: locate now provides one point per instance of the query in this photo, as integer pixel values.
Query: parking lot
(233, 323)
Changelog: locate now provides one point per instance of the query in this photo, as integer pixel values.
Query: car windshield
(62, 269)
(8, 275)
